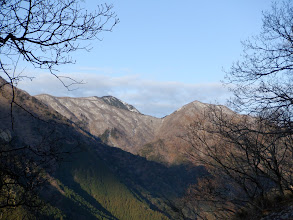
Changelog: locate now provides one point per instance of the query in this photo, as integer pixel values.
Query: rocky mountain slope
(121, 125)
(110, 100)
(148, 165)
(81, 185)
(116, 123)
(141, 178)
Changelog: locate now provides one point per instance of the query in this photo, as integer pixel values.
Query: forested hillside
(80, 185)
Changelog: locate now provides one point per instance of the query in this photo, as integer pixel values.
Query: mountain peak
(113, 101)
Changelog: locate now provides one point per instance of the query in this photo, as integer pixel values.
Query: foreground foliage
(249, 158)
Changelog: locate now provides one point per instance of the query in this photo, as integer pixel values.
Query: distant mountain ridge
(115, 122)
(103, 182)
(121, 125)
(83, 186)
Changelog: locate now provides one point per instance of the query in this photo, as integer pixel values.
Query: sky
(162, 55)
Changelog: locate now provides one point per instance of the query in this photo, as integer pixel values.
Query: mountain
(117, 163)
(115, 122)
(81, 185)
(125, 165)
(120, 125)
(169, 145)
(90, 179)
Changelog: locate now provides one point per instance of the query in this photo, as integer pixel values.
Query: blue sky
(163, 54)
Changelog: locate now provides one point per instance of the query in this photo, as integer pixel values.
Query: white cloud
(149, 97)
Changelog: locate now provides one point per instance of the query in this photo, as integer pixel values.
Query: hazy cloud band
(149, 97)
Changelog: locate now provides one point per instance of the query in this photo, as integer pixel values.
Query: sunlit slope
(81, 186)
(89, 184)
